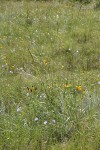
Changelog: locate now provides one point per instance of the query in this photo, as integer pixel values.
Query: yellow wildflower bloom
(12, 66)
(79, 88)
(45, 62)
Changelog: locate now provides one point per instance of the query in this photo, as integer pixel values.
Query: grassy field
(49, 76)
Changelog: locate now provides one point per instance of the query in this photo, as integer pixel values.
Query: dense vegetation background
(49, 75)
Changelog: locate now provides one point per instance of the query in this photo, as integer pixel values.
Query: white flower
(53, 121)
(25, 122)
(27, 94)
(57, 16)
(19, 109)
(11, 72)
(36, 119)
(45, 122)
(3, 66)
(98, 82)
(43, 96)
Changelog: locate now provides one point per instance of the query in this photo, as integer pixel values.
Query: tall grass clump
(49, 76)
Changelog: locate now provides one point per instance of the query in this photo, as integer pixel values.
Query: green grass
(49, 76)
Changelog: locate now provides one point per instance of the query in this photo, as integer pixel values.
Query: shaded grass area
(49, 76)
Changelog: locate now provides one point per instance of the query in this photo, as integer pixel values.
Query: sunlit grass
(49, 76)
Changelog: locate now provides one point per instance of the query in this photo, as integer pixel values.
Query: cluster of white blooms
(45, 122)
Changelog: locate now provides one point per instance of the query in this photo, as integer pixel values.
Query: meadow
(49, 75)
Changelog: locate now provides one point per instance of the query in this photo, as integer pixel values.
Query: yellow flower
(12, 66)
(45, 62)
(79, 88)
